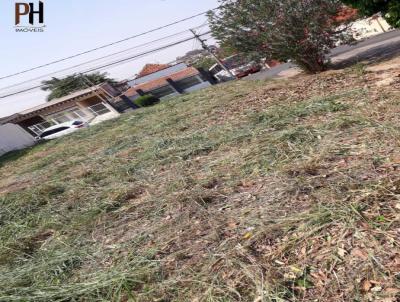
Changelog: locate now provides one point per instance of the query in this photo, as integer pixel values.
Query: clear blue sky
(74, 26)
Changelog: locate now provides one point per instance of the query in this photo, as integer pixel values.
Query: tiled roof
(346, 14)
(151, 68)
(188, 72)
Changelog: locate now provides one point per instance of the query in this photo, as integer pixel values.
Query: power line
(83, 72)
(206, 48)
(111, 64)
(98, 59)
(107, 45)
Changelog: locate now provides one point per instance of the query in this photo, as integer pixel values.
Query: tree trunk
(311, 63)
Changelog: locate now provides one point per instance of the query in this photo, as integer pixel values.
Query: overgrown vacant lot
(285, 190)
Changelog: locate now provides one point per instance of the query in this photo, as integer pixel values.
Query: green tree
(390, 9)
(65, 86)
(205, 63)
(301, 30)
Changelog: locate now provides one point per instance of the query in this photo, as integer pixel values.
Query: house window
(162, 91)
(66, 116)
(78, 114)
(188, 82)
(60, 118)
(99, 109)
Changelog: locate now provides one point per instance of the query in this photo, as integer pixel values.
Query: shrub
(301, 30)
(146, 100)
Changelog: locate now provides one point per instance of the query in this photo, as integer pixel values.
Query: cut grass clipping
(247, 191)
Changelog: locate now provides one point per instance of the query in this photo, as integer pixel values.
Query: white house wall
(13, 137)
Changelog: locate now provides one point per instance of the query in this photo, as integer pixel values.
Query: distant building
(368, 27)
(361, 28)
(164, 81)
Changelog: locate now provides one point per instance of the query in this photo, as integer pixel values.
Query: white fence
(13, 137)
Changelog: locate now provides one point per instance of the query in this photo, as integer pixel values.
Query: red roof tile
(188, 72)
(151, 68)
(346, 14)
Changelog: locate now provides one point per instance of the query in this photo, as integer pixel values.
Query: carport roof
(5, 120)
(69, 97)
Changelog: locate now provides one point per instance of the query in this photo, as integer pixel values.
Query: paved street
(376, 48)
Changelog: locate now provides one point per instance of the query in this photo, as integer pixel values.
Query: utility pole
(205, 47)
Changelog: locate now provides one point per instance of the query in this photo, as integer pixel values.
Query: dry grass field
(280, 190)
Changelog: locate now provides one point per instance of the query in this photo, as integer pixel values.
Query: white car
(62, 129)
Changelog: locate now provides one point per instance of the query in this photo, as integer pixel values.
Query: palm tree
(65, 86)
